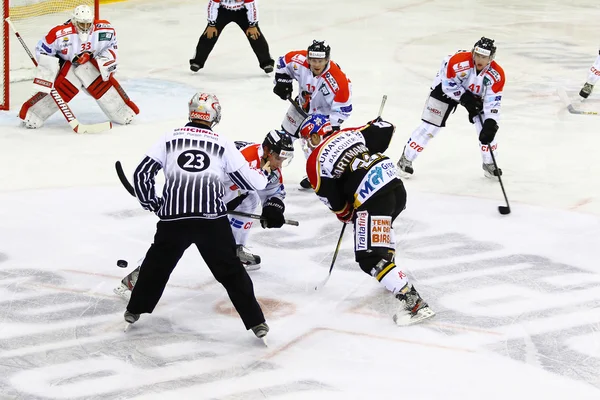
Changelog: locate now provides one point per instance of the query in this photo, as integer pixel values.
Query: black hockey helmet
(319, 49)
(485, 47)
(280, 142)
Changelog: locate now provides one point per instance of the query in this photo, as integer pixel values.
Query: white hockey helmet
(205, 107)
(83, 19)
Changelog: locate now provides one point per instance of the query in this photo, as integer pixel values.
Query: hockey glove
(283, 86)
(272, 213)
(346, 214)
(473, 104)
(82, 58)
(488, 132)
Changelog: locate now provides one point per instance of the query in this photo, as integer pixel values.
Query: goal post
(33, 19)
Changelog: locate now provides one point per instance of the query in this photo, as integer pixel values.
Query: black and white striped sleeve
(144, 184)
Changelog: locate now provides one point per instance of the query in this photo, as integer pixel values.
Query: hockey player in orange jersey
(82, 53)
(474, 80)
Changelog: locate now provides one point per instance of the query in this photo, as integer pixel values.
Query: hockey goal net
(33, 19)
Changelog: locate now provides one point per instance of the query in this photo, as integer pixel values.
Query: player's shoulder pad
(297, 56)
(459, 63)
(59, 31)
(496, 76)
(102, 24)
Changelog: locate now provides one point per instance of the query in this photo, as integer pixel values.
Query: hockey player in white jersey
(592, 79)
(276, 150)
(80, 54)
(323, 88)
(474, 80)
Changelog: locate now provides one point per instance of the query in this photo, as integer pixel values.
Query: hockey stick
(62, 105)
(299, 109)
(335, 253)
(129, 188)
(504, 210)
(565, 98)
(383, 100)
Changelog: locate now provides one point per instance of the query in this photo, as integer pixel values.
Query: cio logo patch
(193, 161)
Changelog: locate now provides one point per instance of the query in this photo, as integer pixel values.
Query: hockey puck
(122, 264)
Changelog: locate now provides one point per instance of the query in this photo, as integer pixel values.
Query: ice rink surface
(517, 297)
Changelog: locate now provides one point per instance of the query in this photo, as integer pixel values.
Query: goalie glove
(283, 86)
(272, 213)
(488, 131)
(82, 58)
(106, 66)
(346, 214)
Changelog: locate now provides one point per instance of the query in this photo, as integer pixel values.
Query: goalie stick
(131, 190)
(61, 104)
(565, 99)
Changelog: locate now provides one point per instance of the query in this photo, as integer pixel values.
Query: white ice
(517, 297)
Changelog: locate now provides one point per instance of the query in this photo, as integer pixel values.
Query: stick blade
(504, 210)
(93, 128)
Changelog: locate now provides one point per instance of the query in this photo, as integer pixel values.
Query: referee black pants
(214, 240)
(259, 46)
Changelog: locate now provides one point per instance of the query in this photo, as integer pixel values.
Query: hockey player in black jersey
(354, 179)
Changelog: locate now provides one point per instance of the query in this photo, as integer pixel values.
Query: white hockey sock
(419, 139)
(594, 74)
(390, 276)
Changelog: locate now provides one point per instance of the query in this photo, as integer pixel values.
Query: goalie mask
(205, 107)
(281, 148)
(314, 128)
(83, 20)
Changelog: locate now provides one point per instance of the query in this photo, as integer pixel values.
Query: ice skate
(268, 69)
(490, 171)
(586, 90)
(251, 261)
(195, 67)
(405, 169)
(305, 183)
(126, 286)
(413, 309)
(130, 319)
(261, 331)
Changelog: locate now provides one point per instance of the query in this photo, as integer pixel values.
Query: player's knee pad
(36, 110)
(109, 95)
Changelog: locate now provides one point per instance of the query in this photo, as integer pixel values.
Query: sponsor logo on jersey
(105, 36)
(66, 39)
(323, 89)
(329, 78)
(64, 51)
(65, 31)
(100, 26)
(362, 219)
(462, 66)
(346, 109)
(498, 98)
(494, 111)
(299, 58)
(494, 74)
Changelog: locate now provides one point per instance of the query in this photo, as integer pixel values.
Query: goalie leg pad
(35, 111)
(110, 96)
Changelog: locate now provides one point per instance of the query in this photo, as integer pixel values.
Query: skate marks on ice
(59, 344)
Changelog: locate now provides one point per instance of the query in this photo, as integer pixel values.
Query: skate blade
(264, 340)
(127, 326)
(402, 174)
(123, 292)
(408, 319)
(251, 267)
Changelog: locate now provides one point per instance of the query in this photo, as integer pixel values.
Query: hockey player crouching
(82, 53)
(354, 179)
(276, 151)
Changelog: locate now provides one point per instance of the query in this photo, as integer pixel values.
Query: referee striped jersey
(233, 5)
(196, 161)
